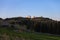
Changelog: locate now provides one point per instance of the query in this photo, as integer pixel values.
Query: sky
(16, 8)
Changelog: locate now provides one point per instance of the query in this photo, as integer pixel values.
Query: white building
(28, 16)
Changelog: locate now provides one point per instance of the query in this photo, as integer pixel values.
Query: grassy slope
(6, 34)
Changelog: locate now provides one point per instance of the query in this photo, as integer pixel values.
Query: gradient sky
(15, 8)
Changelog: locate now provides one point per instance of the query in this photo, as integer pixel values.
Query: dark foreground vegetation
(18, 26)
(7, 34)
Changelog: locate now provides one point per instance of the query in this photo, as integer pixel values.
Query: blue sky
(15, 8)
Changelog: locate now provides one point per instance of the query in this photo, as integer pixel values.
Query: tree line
(37, 24)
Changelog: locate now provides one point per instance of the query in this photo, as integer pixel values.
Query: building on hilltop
(33, 16)
(28, 16)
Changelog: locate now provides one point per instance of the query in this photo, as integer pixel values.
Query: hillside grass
(7, 34)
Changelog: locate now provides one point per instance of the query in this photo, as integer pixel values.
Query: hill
(23, 28)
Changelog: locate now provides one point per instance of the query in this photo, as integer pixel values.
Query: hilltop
(25, 25)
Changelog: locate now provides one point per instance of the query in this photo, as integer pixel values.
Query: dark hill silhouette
(37, 24)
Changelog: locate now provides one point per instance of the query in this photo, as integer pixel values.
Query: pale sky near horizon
(15, 8)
